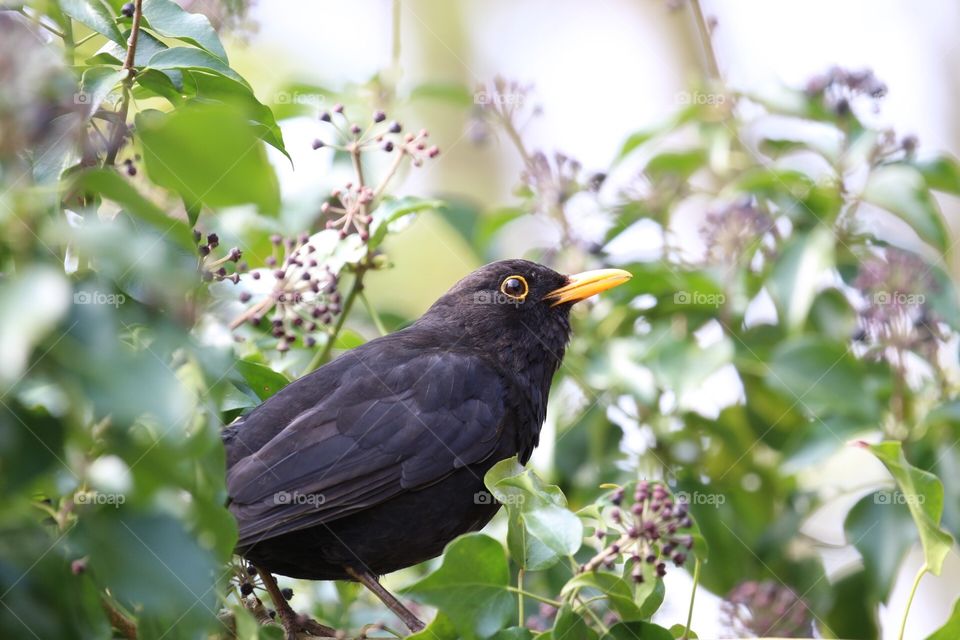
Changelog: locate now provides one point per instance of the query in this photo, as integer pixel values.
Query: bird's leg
(289, 619)
(370, 581)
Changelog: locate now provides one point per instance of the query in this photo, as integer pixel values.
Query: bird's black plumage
(375, 461)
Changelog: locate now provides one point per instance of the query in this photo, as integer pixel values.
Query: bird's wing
(387, 427)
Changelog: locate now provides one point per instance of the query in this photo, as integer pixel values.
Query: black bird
(373, 462)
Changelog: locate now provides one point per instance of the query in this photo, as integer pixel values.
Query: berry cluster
(216, 268)
(838, 88)
(761, 609)
(729, 232)
(553, 181)
(649, 531)
(350, 205)
(304, 298)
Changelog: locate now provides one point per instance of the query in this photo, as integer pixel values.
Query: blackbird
(375, 461)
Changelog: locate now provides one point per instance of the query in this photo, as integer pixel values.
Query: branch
(128, 66)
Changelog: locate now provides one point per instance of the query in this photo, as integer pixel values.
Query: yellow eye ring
(515, 287)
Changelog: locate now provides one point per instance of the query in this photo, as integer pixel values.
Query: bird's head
(520, 309)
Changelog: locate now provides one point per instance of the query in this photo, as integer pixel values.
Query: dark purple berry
(246, 589)
(127, 10)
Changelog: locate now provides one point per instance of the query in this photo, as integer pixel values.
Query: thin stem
(536, 596)
(693, 594)
(324, 354)
(520, 597)
(40, 23)
(713, 69)
(128, 66)
(603, 628)
(86, 38)
(913, 591)
(397, 161)
(374, 316)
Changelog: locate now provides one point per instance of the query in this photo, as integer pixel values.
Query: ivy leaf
(942, 173)
(923, 493)
(391, 216)
(96, 15)
(210, 154)
(96, 84)
(542, 530)
(471, 586)
(617, 591)
(951, 629)
(190, 58)
(111, 186)
(169, 20)
(263, 380)
(570, 624)
(638, 631)
(796, 276)
(902, 190)
(441, 628)
(882, 531)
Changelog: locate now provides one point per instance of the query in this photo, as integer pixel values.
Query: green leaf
(923, 493)
(797, 274)
(571, 624)
(441, 628)
(169, 20)
(617, 591)
(951, 629)
(263, 380)
(32, 303)
(210, 154)
(638, 631)
(542, 530)
(158, 83)
(881, 529)
(941, 173)
(109, 185)
(96, 84)
(678, 630)
(348, 339)
(190, 58)
(113, 53)
(902, 190)
(824, 379)
(678, 164)
(392, 214)
(96, 15)
(471, 586)
(30, 443)
(514, 633)
(207, 86)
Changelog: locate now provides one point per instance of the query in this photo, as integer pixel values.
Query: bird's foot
(293, 624)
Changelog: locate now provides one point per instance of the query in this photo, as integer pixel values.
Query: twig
(713, 69)
(120, 622)
(128, 66)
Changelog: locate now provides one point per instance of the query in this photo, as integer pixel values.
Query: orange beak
(583, 285)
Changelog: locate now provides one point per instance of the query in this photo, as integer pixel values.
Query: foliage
(132, 154)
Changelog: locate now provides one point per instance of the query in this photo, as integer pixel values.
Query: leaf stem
(374, 315)
(913, 591)
(520, 597)
(535, 596)
(693, 594)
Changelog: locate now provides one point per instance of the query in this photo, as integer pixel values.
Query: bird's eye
(515, 287)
